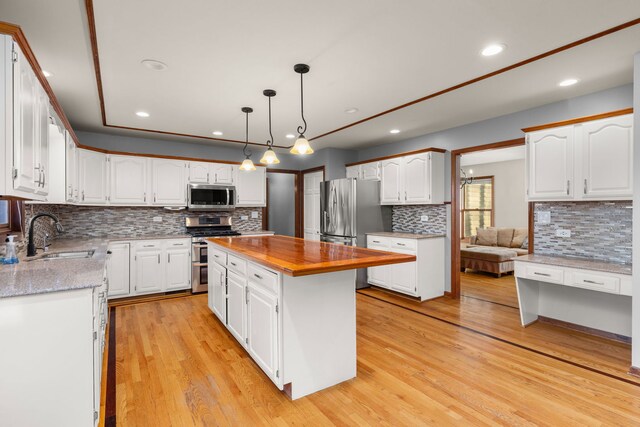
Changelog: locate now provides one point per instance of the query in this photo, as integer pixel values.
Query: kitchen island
(291, 304)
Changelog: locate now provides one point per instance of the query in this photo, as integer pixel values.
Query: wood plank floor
(489, 288)
(176, 365)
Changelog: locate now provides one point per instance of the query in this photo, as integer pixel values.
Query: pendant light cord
(246, 133)
(270, 142)
(300, 130)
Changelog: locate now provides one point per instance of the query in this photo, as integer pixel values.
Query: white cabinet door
(378, 275)
(417, 179)
(222, 173)
(607, 157)
(551, 164)
(41, 146)
(236, 307)
(217, 280)
(178, 266)
(312, 205)
(262, 330)
(402, 277)
(25, 110)
(128, 180)
(118, 270)
(148, 270)
(391, 181)
(199, 172)
(353, 172)
(169, 183)
(251, 187)
(92, 176)
(370, 171)
(71, 168)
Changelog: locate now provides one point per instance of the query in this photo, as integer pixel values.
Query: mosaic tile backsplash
(92, 221)
(599, 230)
(407, 218)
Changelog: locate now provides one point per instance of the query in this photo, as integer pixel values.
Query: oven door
(199, 268)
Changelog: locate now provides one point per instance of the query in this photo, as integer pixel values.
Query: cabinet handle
(400, 244)
(158, 258)
(148, 246)
(593, 282)
(585, 186)
(207, 176)
(169, 258)
(83, 195)
(258, 276)
(216, 256)
(70, 192)
(154, 197)
(405, 196)
(541, 274)
(145, 196)
(44, 178)
(216, 177)
(246, 294)
(376, 241)
(234, 264)
(398, 196)
(221, 278)
(568, 186)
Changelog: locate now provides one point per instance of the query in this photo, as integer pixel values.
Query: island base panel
(319, 331)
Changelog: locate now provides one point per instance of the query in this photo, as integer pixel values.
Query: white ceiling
(364, 54)
(492, 156)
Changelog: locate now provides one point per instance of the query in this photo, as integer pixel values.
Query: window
(477, 205)
(10, 215)
(5, 215)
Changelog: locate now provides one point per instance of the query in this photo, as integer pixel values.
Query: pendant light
(302, 145)
(247, 164)
(269, 157)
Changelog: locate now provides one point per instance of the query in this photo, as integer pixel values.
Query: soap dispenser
(10, 256)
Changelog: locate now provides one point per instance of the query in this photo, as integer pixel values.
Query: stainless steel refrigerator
(350, 208)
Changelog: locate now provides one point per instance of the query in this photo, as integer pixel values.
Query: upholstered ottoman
(492, 259)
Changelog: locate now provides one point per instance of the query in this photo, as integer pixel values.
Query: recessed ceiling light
(290, 136)
(217, 133)
(154, 65)
(568, 82)
(351, 110)
(493, 49)
(142, 114)
(394, 131)
(46, 73)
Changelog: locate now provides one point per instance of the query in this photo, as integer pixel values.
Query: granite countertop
(112, 238)
(583, 263)
(406, 235)
(257, 232)
(45, 276)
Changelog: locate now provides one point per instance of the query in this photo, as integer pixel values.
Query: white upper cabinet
(587, 161)
(251, 187)
(607, 157)
(391, 181)
(199, 172)
(41, 146)
(221, 173)
(92, 177)
(551, 163)
(417, 178)
(353, 171)
(169, 182)
(72, 191)
(128, 180)
(370, 171)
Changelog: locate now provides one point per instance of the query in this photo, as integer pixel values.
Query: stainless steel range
(200, 228)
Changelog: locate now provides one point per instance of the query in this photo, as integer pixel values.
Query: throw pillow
(519, 234)
(505, 236)
(525, 244)
(487, 236)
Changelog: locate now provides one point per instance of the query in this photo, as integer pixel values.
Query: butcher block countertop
(299, 257)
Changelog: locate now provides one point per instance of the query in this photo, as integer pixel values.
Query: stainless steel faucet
(31, 247)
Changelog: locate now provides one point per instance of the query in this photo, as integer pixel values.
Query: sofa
(492, 250)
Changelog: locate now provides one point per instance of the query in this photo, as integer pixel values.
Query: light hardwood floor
(442, 362)
(487, 287)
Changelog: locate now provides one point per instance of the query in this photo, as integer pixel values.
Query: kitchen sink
(64, 255)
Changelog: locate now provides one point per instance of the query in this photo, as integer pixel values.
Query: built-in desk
(592, 294)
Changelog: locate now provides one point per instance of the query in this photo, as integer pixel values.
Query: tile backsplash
(92, 221)
(407, 218)
(599, 230)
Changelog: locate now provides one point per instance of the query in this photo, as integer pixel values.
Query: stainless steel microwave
(207, 197)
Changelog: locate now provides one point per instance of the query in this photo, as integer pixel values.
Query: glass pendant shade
(301, 146)
(247, 165)
(269, 157)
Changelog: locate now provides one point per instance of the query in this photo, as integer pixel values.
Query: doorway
(282, 214)
(311, 179)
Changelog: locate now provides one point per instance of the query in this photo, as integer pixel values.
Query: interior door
(236, 307)
(311, 186)
(262, 330)
(391, 181)
(550, 163)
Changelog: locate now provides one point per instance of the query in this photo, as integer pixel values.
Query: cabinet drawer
(594, 281)
(377, 241)
(404, 244)
(147, 244)
(178, 243)
(237, 264)
(261, 276)
(545, 274)
(216, 255)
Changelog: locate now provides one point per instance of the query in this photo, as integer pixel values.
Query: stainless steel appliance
(350, 208)
(207, 197)
(200, 228)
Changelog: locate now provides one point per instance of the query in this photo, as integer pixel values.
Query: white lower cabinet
(237, 307)
(142, 267)
(217, 281)
(262, 328)
(423, 278)
(52, 354)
